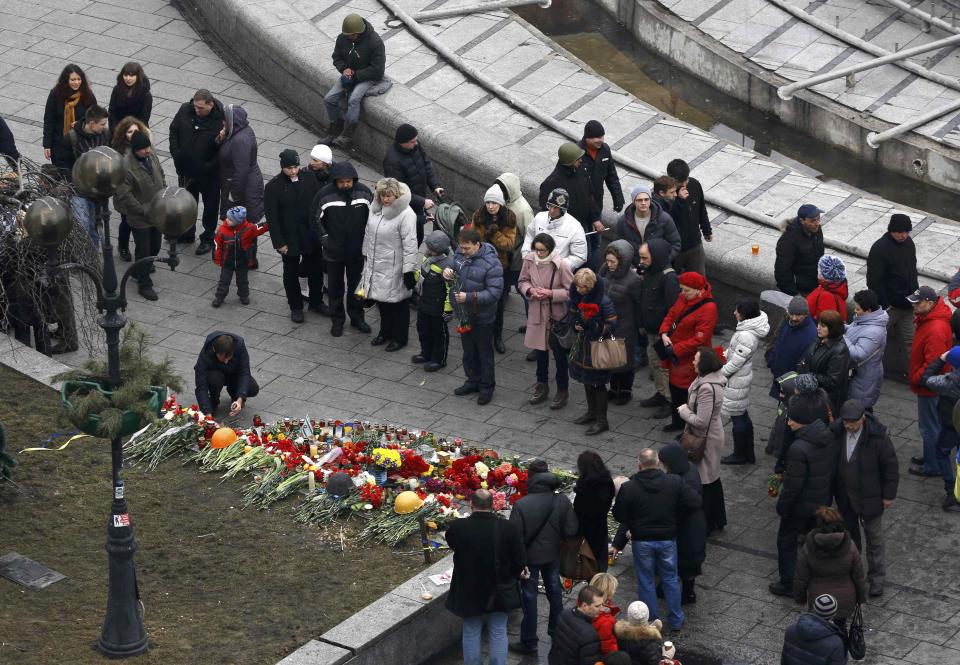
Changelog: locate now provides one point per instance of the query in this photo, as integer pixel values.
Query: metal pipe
(912, 67)
(786, 91)
(923, 16)
(874, 139)
(472, 9)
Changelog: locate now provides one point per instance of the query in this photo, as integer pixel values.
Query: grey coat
(624, 288)
(866, 340)
(138, 189)
(241, 181)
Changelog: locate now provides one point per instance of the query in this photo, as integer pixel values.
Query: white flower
(168, 415)
(482, 469)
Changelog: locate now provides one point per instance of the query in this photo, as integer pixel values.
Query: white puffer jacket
(390, 249)
(739, 366)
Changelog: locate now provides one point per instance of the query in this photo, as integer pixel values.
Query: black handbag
(856, 645)
(660, 348)
(505, 595)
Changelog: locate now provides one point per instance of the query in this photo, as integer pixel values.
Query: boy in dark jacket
(814, 638)
(947, 386)
(575, 641)
(231, 251)
(434, 308)
(689, 213)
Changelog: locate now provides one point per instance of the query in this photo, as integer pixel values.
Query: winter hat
(954, 298)
(637, 613)
(693, 280)
(353, 24)
(289, 157)
(953, 357)
(236, 215)
(803, 409)
(494, 195)
(569, 153)
(832, 268)
(639, 189)
(900, 223)
(788, 382)
(593, 130)
(825, 606)
(139, 141)
(806, 384)
(798, 305)
(405, 133)
(852, 410)
(438, 242)
(808, 211)
(559, 198)
(537, 466)
(322, 153)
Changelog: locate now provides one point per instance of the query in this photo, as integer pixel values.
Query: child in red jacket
(603, 624)
(231, 251)
(831, 291)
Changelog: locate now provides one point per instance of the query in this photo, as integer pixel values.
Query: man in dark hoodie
(195, 135)
(642, 220)
(360, 57)
(689, 213)
(815, 638)
(798, 251)
(339, 219)
(544, 518)
(223, 363)
(569, 174)
(658, 291)
(408, 162)
(807, 483)
(599, 164)
(648, 505)
(892, 275)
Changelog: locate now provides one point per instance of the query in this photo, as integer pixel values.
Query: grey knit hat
(798, 305)
(438, 242)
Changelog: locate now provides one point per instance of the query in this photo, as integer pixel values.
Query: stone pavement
(304, 371)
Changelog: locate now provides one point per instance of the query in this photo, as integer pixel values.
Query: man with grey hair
(647, 506)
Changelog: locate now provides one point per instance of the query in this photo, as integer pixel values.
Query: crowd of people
(604, 301)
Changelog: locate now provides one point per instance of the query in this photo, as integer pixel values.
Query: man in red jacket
(931, 339)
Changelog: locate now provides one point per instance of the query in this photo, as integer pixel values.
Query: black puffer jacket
(543, 506)
(660, 287)
(829, 361)
(813, 641)
(414, 169)
(286, 204)
(873, 474)
(795, 269)
(341, 216)
(623, 287)
(603, 170)
(575, 640)
(583, 203)
(474, 578)
(649, 504)
(692, 525)
(690, 216)
(808, 476)
(193, 142)
(892, 271)
(367, 56)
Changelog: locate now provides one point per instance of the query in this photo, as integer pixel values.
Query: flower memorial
(390, 476)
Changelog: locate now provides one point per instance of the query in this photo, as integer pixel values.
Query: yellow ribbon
(69, 441)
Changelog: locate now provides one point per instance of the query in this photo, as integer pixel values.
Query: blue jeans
(948, 440)
(551, 582)
(653, 557)
(85, 211)
(355, 95)
(496, 635)
(560, 358)
(928, 421)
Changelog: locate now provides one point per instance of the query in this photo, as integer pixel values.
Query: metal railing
(496, 5)
(874, 139)
(928, 18)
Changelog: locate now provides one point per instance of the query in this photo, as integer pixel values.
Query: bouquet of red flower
(588, 310)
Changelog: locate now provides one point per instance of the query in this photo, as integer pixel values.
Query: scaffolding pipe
(786, 92)
(496, 5)
(843, 36)
(532, 111)
(923, 16)
(874, 139)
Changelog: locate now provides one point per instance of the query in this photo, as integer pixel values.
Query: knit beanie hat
(593, 130)
(899, 223)
(322, 153)
(438, 242)
(639, 189)
(803, 409)
(638, 613)
(559, 198)
(798, 305)
(289, 157)
(806, 384)
(832, 268)
(405, 133)
(495, 195)
(825, 606)
(537, 466)
(953, 356)
(236, 215)
(139, 141)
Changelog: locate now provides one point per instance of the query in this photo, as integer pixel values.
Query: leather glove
(408, 280)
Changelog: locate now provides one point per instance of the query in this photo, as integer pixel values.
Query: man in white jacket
(566, 231)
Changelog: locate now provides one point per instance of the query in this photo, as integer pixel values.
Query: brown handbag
(577, 560)
(609, 353)
(696, 444)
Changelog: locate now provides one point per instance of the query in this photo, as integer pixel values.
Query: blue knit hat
(953, 356)
(832, 268)
(237, 215)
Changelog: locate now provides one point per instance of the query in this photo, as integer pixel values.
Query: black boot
(742, 448)
(600, 399)
(332, 132)
(591, 413)
(688, 594)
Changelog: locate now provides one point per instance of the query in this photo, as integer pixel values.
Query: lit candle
(312, 480)
(313, 452)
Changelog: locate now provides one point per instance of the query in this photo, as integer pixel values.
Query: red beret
(693, 280)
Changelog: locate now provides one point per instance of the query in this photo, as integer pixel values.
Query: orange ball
(223, 437)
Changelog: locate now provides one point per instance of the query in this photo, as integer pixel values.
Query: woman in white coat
(752, 326)
(390, 253)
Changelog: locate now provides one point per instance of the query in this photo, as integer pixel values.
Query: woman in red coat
(688, 325)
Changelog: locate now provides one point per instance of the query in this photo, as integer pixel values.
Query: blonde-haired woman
(593, 317)
(606, 584)
(390, 253)
(122, 134)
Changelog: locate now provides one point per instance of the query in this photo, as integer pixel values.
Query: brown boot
(591, 413)
(540, 393)
(559, 400)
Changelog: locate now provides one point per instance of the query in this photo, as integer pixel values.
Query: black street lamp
(97, 175)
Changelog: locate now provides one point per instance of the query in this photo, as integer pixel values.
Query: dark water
(611, 50)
